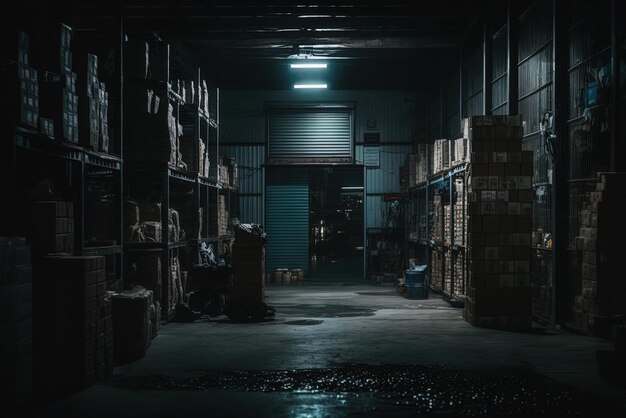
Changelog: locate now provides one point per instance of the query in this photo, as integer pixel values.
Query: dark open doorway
(336, 224)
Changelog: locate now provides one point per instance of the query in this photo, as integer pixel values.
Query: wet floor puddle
(424, 388)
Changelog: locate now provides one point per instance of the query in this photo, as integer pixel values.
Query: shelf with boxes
(160, 214)
(172, 179)
(447, 230)
(65, 171)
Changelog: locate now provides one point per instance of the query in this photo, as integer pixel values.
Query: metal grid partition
(500, 74)
(535, 98)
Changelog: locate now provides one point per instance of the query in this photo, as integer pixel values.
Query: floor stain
(304, 322)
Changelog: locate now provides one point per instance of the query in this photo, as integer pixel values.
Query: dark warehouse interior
(313, 208)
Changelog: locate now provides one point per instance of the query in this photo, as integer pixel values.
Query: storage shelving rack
(33, 156)
(433, 251)
(191, 193)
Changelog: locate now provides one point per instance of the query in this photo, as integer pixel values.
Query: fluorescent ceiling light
(310, 86)
(352, 188)
(308, 65)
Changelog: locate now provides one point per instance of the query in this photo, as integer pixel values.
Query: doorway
(336, 225)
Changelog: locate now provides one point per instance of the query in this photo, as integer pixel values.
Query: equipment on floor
(246, 299)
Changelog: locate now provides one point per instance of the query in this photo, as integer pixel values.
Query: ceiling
(244, 44)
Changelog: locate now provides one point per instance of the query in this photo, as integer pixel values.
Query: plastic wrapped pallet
(131, 324)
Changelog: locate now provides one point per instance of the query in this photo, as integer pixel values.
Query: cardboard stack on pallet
(58, 95)
(73, 326)
(602, 232)
(499, 225)
(16, 322)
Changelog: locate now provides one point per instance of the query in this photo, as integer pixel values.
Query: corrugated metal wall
(243, 112)
(500, 72)
(249, 165)
(243, 134)
(473, 81)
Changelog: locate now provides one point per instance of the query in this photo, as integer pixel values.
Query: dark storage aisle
(313, 209)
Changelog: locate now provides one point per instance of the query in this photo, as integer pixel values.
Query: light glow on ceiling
(310, 86)
(309, 65)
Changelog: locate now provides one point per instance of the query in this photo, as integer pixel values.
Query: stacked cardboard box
(59, 102)
(411, 163)
(458, 149)
(59, 99)
(150, 126)
(499, 224)
(49, 227)
(133, 327)
(16, 322)
(144, 269)
(602, 232)
(23, 84)
(204, 98)
(146, 61)
(191, 151)
(447, 272)
(447, 232)
(52, 48)
(175, 286)
(458, 265)
(71, 326)
(460, 212)
(440, 155)
(436, 274)
(421, 172)
(222, 216)
(94, 104)
(437, 222)
(203, 159)
(228, 171)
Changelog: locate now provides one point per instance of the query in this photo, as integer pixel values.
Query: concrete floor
(330, 326)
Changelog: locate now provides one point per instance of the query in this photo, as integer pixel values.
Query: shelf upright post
(451, 254)
(165, 266)
(79, 205)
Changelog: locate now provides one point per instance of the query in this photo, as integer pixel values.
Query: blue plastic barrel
(415, 283)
